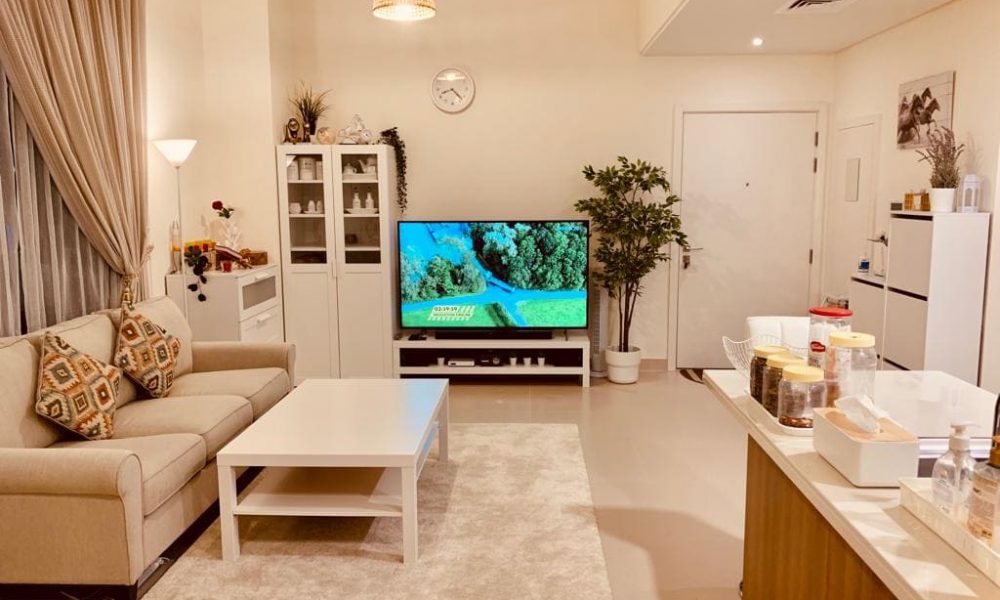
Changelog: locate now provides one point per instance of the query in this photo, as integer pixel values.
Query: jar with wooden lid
(757, 366)
(776, 364)
(851, 362)
(801, 390)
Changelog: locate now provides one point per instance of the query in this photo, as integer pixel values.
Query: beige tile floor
(667, 475)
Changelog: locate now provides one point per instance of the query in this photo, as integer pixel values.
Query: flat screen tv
(493, 275)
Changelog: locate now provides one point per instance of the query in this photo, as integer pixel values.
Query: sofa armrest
(91, 472)
(226, 356)
(70, 516)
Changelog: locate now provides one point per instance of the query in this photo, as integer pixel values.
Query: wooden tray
(916, 496)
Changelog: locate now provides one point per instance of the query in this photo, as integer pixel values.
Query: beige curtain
(76, 69)
(49, 272)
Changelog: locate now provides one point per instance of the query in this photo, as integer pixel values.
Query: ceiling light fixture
(757, 42)
(404, 10)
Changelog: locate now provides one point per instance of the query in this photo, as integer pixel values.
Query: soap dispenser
(984, 499)
(952, 474)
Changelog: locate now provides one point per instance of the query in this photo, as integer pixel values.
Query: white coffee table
(337, 448)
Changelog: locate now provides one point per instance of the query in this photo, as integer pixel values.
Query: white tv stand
(567, 353)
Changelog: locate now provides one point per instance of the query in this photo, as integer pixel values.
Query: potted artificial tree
(634, 230)
(942, 153)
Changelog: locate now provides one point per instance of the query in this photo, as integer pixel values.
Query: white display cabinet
(337, 258)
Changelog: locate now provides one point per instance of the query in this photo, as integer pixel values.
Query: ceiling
(698, 27)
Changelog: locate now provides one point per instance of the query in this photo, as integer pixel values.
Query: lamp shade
(175, 151)
(404, 10)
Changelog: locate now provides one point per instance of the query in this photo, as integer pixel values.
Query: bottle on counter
(757, 366)
(851, 362)
(984, 498)
(824, 320)
(773, 373)
(952, 475)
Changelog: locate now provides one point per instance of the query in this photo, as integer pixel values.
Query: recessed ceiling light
(757, 42)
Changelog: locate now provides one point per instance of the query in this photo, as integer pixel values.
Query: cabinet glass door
(362, 238)
(306, 210)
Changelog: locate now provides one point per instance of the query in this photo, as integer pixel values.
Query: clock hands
(452, 90)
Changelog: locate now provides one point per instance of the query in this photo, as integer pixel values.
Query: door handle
(686, 257)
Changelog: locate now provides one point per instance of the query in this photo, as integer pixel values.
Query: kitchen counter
(868, 545)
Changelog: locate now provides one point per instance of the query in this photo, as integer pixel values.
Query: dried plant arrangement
(942, 154)
(310, 105)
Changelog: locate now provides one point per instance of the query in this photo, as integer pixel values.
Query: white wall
(653, 15)
(208, 73)
(961, 36)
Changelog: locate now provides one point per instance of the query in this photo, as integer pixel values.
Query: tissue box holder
(864, 463)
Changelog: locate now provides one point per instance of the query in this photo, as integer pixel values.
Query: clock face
(453, 90)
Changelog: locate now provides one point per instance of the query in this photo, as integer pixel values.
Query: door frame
(821, 110)
(852, 123)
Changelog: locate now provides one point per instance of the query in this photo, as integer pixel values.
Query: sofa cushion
(20, 425)
(146, 353)
(217, 419)
(165, 313)
(94, 335)
(167, 461)
(262, 387)
(76, 390)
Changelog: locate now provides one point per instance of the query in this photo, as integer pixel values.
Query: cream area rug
(508, 517)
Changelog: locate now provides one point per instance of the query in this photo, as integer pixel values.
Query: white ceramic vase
(943, 200)
(623, 367)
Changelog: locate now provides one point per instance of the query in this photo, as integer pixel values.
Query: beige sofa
(99, 512)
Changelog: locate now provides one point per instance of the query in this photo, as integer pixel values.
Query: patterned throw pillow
(76, 390)
(147, 353)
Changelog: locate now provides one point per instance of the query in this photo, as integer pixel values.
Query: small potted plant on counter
(942, 153)
(634, 229)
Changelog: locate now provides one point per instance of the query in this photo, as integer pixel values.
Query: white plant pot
(623, 367)
(943, 200)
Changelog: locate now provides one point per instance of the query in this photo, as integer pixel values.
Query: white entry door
(850, 208)
(748, 191)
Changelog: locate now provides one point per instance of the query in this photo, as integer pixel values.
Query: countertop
(912, 561)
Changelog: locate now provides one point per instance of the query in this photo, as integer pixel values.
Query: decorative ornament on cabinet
(311, 106)
(391, 137)
(355, 133)
(942, 153)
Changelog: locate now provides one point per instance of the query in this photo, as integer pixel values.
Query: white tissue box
(864, 463)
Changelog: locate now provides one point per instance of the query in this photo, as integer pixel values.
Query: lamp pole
(180, 234)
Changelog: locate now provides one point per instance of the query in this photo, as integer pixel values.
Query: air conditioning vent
(812, 7)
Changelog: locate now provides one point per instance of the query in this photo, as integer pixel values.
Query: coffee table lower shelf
(324, 492)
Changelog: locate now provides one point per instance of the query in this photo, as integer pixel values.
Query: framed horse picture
(924, 105)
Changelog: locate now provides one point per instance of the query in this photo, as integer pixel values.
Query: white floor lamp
(176, 152)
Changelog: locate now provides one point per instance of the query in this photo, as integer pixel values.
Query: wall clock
(453, 90)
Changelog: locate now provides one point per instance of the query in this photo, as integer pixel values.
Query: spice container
(801, 390)
(851, 362)
(757, 366)
(772, 377)
(824, 320)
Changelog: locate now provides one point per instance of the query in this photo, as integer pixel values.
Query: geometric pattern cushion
(146, 353)
(76, 390)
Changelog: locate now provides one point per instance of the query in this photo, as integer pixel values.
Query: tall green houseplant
(634, 229)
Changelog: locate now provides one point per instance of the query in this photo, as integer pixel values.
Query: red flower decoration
(217, 205)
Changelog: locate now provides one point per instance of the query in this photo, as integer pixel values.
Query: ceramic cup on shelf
(527, 361)
(440, 361)
(295, 208)
(541, 361)
(513, 361)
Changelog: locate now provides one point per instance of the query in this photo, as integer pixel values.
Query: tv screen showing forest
(493, 274)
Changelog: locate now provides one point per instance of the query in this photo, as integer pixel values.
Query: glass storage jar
(851, 362)
(772, 377)
(802, 389)
(757, 366)
(824, 320)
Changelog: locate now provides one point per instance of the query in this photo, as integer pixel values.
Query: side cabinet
(935, 292)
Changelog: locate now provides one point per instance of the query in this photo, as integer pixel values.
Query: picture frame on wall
(924, 105)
